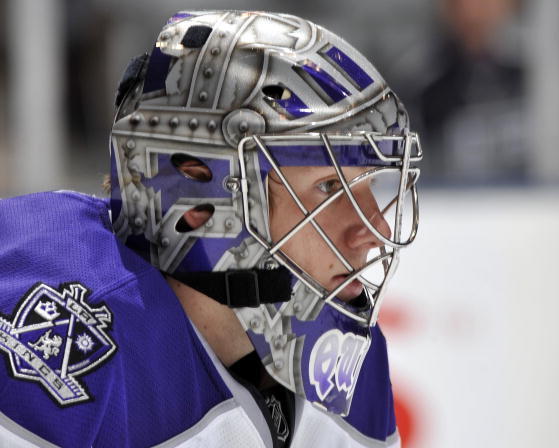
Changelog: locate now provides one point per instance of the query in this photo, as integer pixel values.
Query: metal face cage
(381, 156)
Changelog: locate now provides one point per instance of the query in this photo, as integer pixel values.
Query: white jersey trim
(309, 430)
(241, 395)
(13, 435)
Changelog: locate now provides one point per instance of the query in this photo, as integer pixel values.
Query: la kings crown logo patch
(54, 337)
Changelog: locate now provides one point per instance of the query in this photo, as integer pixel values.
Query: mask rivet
(135, 119)
(165, 242)
(193, 124)
(208, 72)
(278, 343)
(229, 223)
(154, 121)
(296, 307)
(215, 51)
(138, 221)
(174, 122)
(243, 126)
(165, 36)
(130, 144)
(254, 323)
(222, 34)
(212, 126)
(203, 96)
(244, 254)
(278, 365)
(136, 196)
(209, 223)
(232, 184)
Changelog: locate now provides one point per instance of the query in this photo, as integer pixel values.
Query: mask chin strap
(241, 288)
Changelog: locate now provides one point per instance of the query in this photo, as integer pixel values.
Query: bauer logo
(335, 362)
(54, 337)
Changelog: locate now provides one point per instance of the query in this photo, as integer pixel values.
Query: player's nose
(360, 236)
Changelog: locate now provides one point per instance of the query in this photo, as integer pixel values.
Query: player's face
(339, 221)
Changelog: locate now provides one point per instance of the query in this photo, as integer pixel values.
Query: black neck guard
(241, 288)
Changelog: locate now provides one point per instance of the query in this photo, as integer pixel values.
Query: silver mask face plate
(361, 150)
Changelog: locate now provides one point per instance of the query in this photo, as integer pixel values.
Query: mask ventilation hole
(285, 102)
(194, 218)
(196, 36)
(191, 167)
(276, 92)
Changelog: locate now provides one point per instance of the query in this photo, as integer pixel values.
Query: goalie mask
(247, 151)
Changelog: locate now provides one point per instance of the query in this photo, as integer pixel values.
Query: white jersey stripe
(13, 435)
(310, 424)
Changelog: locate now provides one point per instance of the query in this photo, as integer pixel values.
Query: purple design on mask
(316, 155)
(334, 90)
(206, 252)
(352, 353)
(178, 17)
(169, 184)
(349, 66)
(172, 184)
(327, 368)
(338, 356)
(324, 358)
(293, 105)
(157, 71)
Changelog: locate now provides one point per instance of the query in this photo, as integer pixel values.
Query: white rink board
(477, 358)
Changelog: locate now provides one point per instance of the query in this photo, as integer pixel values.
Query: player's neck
(217, 323)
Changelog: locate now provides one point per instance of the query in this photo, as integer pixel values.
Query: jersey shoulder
(96, 347)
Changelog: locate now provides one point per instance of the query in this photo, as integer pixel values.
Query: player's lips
(352, 289)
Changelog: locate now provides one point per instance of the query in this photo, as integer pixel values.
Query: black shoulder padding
(132, 74)
(196, 36)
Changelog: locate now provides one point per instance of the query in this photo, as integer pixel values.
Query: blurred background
(471, 317)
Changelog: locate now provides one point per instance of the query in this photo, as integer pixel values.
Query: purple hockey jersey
(98, 351)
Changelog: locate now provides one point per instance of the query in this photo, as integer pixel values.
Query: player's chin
(350, 291)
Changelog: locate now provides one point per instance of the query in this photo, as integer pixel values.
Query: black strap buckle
(241, 289)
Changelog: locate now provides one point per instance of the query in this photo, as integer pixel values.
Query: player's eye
(329, 186)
